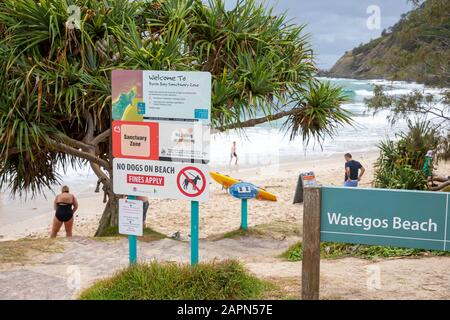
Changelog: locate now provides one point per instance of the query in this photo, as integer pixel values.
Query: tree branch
(90, 127)
(441, 186)
(79, 153)
(256, 121)
(102, 176)
(101, 137)
(74, 143)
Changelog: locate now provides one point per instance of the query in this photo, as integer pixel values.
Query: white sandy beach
(220, 214)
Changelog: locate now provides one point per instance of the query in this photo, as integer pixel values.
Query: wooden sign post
(311, 244)
(386, 217)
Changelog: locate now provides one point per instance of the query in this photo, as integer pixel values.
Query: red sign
(135, 140)
(149, 180)
(191, 181)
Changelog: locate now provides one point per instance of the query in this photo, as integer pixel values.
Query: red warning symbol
(191, 182)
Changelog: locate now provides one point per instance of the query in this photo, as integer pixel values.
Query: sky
(336, 26)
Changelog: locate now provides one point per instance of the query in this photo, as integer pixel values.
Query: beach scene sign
(160, 128)
(171, 108)
(398, 218)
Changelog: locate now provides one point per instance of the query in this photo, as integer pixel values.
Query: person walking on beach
(353, 171)
(233, 153)
(65, 205)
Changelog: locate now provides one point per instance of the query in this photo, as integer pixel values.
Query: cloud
(338, 26)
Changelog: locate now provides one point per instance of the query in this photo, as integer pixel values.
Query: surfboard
(227, 182)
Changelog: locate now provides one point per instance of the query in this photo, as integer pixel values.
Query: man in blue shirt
(352, 174)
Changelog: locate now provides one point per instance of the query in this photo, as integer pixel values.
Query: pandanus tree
(56, 58)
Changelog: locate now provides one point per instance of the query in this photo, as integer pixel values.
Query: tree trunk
(110, 216)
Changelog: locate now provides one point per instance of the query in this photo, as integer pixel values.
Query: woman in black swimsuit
(65, 205)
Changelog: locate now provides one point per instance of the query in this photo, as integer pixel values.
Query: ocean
(267, 142)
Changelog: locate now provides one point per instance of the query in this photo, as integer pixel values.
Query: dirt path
(59, 275)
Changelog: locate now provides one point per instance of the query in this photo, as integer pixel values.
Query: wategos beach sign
(398, 218)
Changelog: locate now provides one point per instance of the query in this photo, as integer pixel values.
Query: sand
(220, 214)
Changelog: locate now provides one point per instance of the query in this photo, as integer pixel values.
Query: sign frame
(312, 212)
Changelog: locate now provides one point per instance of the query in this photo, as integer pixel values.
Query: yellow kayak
(227, 181)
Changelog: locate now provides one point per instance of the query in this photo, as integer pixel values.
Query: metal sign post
(132, 243)
(244, 191)
(131, 223)
(244, 225)
(194, 232)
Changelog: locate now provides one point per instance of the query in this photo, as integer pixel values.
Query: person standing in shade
(233, 153)
(353, 171)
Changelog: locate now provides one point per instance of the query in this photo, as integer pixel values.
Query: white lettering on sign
(376, 223)
(161, 179)
(428, 226)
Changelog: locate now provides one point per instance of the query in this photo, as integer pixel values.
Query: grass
(170, 281)
(273, 230)
(24, 250)
(331, 250)
(148, 234)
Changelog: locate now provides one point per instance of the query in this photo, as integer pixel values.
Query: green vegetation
(24, 250)
(55, 90)
(148, 234)
(400, 163)
(155, 281)
(331, 250)
(416, 48)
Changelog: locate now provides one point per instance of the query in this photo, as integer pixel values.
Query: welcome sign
(413, 219)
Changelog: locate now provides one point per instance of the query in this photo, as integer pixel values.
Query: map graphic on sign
(154, 94)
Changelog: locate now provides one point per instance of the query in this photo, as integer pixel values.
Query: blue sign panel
(400, 218)
(244, 190)
(141, 108)
(201, 114)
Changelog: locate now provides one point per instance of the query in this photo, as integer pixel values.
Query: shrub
(400, 163)
(170, 281)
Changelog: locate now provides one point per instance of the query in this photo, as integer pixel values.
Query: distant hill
(417, 48)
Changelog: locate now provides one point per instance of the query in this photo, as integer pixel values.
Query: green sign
(399, 218)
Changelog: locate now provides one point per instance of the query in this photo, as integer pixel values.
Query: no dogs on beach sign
(161, 179)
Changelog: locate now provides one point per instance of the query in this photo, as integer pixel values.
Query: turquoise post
(132, 243)
(244, 225)
(194, 232)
